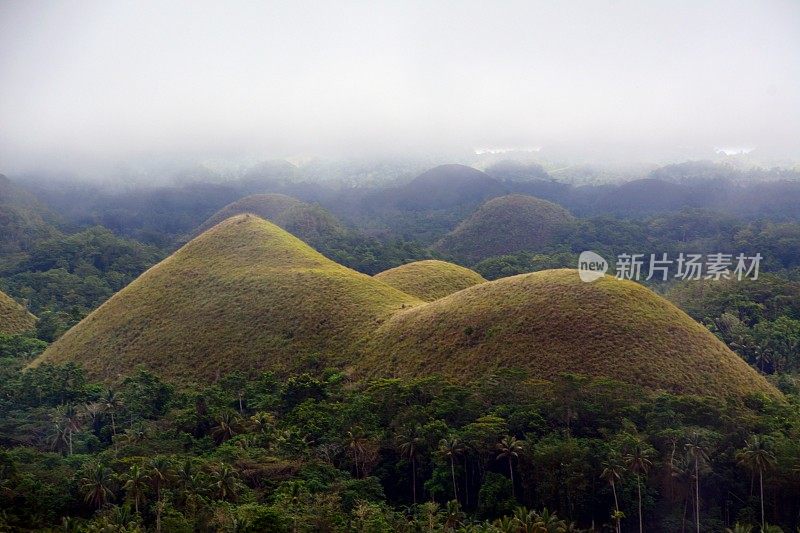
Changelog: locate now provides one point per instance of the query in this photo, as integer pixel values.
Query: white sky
(85, 81)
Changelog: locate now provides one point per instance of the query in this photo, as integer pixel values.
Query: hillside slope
(13, 317)
(310, 223)
(430, 279)
(505, 225)
(244, 295)
(550, 322)
(448, 186)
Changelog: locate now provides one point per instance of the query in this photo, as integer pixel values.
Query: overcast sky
(108, 80)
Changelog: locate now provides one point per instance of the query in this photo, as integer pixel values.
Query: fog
(91, 83)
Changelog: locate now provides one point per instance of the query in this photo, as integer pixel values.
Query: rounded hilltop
(430, 279)
(504, 225)
(549, 323)
(245, 295)
(13, 317)
(310, 223)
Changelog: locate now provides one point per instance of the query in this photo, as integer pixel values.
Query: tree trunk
(414, 479)
(639, 492)
(453, 472)
(466, 481)
(113, 425)
(761, 487)
(616, 503)
(511, 471)
(696, 494)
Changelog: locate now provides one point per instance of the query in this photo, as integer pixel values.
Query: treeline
(316, 452)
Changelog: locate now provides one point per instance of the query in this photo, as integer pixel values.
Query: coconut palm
(161, 473)
(111, 404)
(409, 446)
(225, 481)
(696, 452)
(740, 528)
(69, 419)
(227, 427)
(757, 458)
(136, 481)
(637, 461)
(509, 447)
(547, 522)
(356, 446)
(450, 448)
(612, 472)
(97, 485)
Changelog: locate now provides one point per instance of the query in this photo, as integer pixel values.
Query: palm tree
(97, 485)
(637, 461)
(136, 485)
(409, 447)
(740, 528)
(70, 419)
(227, 427)
(509, 447)
(695, 451)
(612, 472)
(111, 404)
(756, 457)
(225, 481)
(451, 448)
(356, 446)
(547, 522)
(161, 473)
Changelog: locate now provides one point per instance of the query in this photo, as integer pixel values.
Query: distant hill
(22, 219)
(310, 223)
(551, 322)
(646, 196)
(244, 295)
(13, 317)
(448, 186)
(505, 225)
(430, 279)
(517, 171)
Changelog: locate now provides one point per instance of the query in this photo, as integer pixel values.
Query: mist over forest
(520, 266)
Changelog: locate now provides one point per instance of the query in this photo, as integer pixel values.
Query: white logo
(591, 266)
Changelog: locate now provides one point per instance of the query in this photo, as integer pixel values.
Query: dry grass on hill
(13, 317)
(245, 295)
(505, 225)
(431, 279)
(550, 322)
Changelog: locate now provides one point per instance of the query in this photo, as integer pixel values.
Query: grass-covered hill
(266, 206)
(13, 317)
(245, 295)
(430, 279)
(506, 225)
(448, 186)
(549, 323)
(310, 223)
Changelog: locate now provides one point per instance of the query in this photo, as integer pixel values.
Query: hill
(431, 279)
(312, 224)
(505, 225)
(23, 220)
(13, 317)
(244, 295)
(549, 323)
(448, 186)
(266, 206)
